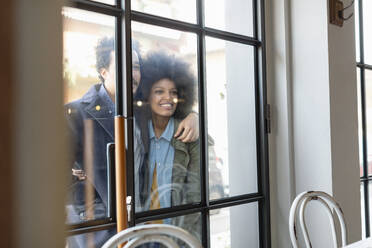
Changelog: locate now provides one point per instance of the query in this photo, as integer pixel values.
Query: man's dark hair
(104, 48)
(137, 48)
(159, 65)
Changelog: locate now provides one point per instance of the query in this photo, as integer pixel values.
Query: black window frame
(123, 48)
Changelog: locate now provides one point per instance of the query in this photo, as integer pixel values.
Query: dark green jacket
(186, 175)
(185, 188)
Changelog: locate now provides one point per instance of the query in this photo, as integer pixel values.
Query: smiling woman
(171, 175)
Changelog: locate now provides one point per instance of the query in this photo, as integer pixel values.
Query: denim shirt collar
(168, 132)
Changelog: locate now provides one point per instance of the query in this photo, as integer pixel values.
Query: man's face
(136, 73)
(110, 74)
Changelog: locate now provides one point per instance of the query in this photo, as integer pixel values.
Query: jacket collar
(100, 107)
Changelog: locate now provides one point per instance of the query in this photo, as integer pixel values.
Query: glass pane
(369, 201)
(183, 10)
(230, 15)
(111, 2)
(367, 22)
(89, 89)
(230, 85)
(362, 207)
(90, 240)
(235, 227)
(368, 87)
(192, 223)
(167, 170)
(357, 34)
(360, 130)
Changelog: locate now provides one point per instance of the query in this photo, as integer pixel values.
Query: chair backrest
(331, 206)
(160, 233)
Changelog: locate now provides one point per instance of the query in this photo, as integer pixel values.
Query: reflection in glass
(82, 30)
(89, 92)
(182, 10)
(167, 170)
(368, 92)
(367, 31)
(191, 223)
(235, 227)
(231, 118)
(234, 16)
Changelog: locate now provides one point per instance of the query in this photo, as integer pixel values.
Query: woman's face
(163, 98)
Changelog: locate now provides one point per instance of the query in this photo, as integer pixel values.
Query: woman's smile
(167, 105)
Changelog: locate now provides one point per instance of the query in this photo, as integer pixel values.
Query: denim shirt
(162, 153)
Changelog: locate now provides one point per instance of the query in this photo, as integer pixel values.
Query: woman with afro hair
(171, 175)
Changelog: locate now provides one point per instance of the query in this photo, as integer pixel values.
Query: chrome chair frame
(160, 233)
(331, 206)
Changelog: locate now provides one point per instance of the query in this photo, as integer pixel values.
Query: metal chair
(330, 205)
(160, 233)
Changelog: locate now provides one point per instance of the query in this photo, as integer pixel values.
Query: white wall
(312, 84)
(39, 121)
(344, 124)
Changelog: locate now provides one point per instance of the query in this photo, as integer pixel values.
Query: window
(364, 72)
(158, 62)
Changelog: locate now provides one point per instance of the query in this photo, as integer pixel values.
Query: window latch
(129, 207)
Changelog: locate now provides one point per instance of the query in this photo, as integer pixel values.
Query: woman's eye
(174, 93)
(159, 92)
